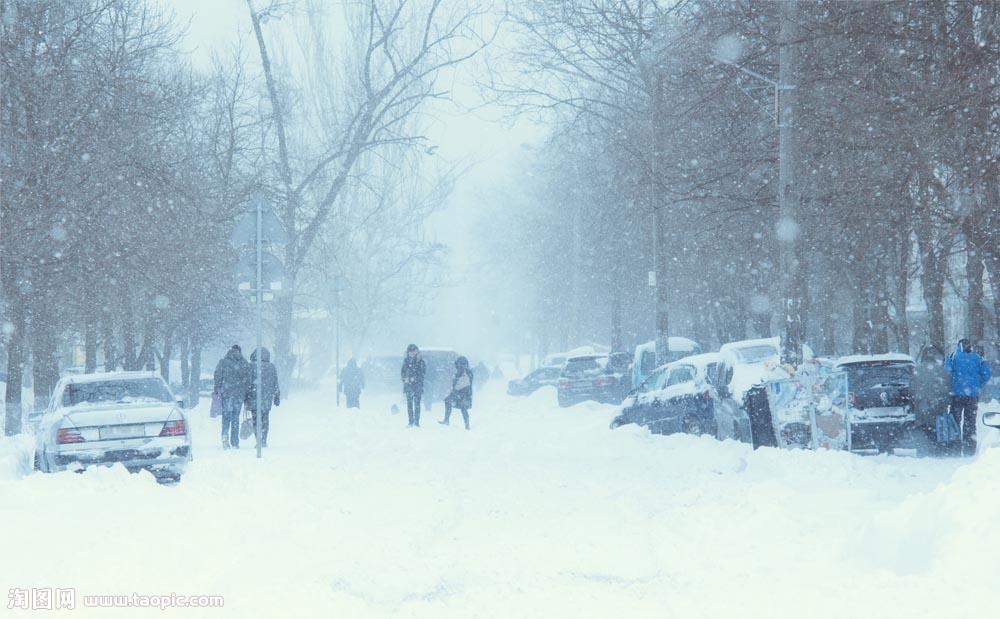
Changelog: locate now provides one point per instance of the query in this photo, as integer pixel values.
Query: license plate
(128, 431)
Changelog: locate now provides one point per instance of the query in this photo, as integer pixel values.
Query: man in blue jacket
(969, 372)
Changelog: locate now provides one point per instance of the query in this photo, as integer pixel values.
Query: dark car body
(534, 381)
(675, 398)
(591, 377)
(881, 400)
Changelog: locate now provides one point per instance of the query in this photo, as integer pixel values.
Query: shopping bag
(246, 428)
(216, 405)
(946, 429)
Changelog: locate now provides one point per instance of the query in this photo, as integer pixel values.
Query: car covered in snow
(682, 396)
(645, 361)
(601, 378)
(104, 419)
(880, 399)
(535, 380)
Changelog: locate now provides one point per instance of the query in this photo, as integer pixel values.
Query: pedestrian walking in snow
(352, 382)
(269, 393)
(969, 372)
(413, 372)
(461, 392)
(232, 380)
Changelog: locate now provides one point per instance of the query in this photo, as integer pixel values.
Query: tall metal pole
(660, 249)
(788, 193)
(260, 321)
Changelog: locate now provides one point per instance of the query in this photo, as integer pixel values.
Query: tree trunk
(15, 367)
(168, 351)
(129, 360)
(185, 368)
(90, 345)
(194, 386)
(901, 294)
(108, 341)
(44, 364)
(975, 327)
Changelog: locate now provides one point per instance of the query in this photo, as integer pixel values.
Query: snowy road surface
(538, 512)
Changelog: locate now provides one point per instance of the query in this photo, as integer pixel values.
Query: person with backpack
(461, 392)
(232, 380)
(269, 393)
(969, 372)
(352, 382)
(413, 371)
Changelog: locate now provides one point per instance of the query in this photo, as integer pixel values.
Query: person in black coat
(413, 371)
(232, 380)
(352, 381)
(461, 392)
(269, 393)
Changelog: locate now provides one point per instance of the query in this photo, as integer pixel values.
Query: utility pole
(787, 229)
(659, 277)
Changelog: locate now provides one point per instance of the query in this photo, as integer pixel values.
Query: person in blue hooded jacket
(969, 372)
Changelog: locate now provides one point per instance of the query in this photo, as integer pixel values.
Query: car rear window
(116, 392)
(756, 354)
(878, 375)
(576, 368)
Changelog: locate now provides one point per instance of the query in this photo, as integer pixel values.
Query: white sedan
(117, 417)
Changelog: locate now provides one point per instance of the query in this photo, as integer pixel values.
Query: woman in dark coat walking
(461, 392)
(269, 392)
(413, 371)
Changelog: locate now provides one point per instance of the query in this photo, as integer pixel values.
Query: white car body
(139, 432)
(753, 362)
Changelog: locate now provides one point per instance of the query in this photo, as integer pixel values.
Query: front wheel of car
(693, 426)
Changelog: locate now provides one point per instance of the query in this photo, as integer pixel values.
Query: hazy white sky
(479, 138)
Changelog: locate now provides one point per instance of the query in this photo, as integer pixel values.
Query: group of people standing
(236, 386)
(414, 371)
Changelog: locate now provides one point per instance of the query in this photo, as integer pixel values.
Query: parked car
(880, 398)
(683, 397)
(644, 360)
(116, 417)
(534, 381)
(590, 377)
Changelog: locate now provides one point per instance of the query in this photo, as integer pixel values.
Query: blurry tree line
(665, 157)
(123, 169)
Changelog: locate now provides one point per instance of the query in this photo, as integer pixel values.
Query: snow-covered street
(539, 511)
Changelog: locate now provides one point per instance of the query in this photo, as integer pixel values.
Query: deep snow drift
(536, 512)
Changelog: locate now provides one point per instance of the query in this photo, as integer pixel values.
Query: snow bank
(16, 454)
(538, 512)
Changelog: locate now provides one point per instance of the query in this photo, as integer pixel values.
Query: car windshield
(873, 376)
(756, 354)
(576, 368)
(116, 392)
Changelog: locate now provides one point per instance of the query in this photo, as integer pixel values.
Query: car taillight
(174, 428)
(706, 396)
(68, 435)
(604, 381)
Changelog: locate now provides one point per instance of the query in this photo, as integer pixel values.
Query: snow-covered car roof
(595, 356)
(674, 343)
(106, 376)
(890, 357)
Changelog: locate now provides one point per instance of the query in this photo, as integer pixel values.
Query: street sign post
(261, 274)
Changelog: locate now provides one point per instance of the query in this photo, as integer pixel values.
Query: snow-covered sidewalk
(538, 512)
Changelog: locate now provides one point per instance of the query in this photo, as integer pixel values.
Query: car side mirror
(991, 419)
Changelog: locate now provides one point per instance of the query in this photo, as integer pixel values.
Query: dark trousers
(413, 407)
(265, 421)
(353, 399)
(449, 403)
(231, 420)
(964, 408)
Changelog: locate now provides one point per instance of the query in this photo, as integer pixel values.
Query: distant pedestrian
(461, 392)
(413, 371)
(232, 381)
(969, 372)
(352, 382)
(269, 393)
